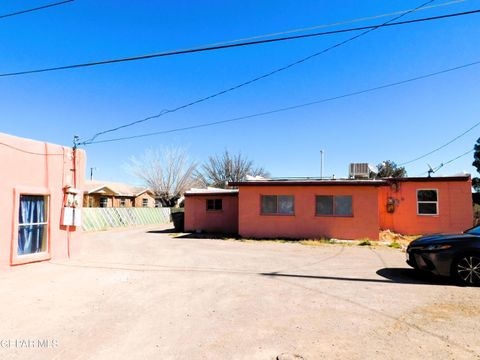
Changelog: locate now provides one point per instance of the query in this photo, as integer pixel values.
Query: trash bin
(178, 219)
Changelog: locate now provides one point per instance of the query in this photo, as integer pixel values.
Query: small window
(427, 202)
(32, 224)
(214, 204)
(144, 202)
(123, 202)
(329, 205)
(277, 204)
(103, 202)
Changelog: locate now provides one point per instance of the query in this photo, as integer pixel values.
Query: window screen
(329, 205)
(277, 204)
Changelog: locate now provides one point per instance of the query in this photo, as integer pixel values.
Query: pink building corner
(41, 190)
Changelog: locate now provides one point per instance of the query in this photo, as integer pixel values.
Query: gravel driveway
(143, 294)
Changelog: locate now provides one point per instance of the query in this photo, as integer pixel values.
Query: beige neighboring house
(112, 194)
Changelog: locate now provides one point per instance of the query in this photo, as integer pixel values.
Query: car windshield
(474, 231)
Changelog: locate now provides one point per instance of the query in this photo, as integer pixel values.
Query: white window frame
(428, 202)
(145, 202)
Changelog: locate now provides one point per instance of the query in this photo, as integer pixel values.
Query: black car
(457, 256)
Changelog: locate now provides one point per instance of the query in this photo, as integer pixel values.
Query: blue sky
(398, 123)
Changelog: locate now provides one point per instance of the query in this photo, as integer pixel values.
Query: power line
(290, 107)
(449, 161)
(30, 152)
(35, 9)
(231, 45)
(338, 23)
(258, 78)
(441, 147)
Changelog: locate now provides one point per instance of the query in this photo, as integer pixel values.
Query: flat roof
(211, 192)
(347, 182)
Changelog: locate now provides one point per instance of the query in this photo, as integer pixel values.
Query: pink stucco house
(40, 191)
(211, 210)
(345, 209)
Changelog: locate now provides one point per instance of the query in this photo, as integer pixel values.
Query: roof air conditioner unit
(361, 170)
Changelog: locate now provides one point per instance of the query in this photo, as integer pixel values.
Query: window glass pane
(324, 205)
(285, 204)
(343, 205)
(218, 204)
(269, 204)
(210, 204)
(32, 209)
(103, 202)
(427, 195)
(31, 232)
(427, 208)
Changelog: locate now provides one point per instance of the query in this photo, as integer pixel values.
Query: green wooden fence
(95, 219)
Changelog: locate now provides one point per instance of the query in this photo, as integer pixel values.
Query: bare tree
(167, 172)
(220, 169)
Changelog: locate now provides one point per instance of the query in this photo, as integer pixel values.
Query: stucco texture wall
(197, 217)
(364, 223)
(37, 168)
(455, 212)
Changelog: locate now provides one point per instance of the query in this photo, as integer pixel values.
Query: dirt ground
(143, 294)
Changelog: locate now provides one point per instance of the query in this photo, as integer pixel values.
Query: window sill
(277, 214)
(29, 258)
(334, 216)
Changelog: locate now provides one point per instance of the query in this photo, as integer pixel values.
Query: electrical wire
(35, 9)
(258, 78)
(269, 112)
(448, 162)
(220, 47)
(338, 23)
(30, 152)
(441, 147)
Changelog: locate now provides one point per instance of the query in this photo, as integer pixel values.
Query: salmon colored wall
(26, 169)
(198, 218)
(305, 224)
(455, 212)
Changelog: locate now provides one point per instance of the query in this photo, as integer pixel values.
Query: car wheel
(466, 269)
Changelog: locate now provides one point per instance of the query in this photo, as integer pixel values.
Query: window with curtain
(32, 224)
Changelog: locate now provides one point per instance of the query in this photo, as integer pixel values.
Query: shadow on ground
(203, 235)
(390, 275)
(163, 231)
(411, 276)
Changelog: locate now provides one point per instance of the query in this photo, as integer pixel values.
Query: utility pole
(91, 172)
(321, 164)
